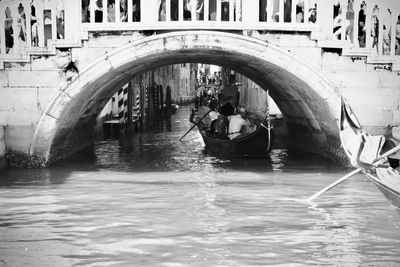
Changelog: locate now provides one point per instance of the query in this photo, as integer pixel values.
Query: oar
(347, 176)
(194, 125)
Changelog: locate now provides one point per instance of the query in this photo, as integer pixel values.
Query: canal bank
(3, 158)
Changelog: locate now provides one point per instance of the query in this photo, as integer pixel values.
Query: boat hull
(386, 179)
(253, 144)
(391, 194)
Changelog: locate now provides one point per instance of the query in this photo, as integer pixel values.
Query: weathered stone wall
(372, 90)
(26, 91)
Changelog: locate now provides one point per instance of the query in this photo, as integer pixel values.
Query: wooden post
(156, 102)
(142, 101)
(147, 103)
(129, 123)
(161, 99)
(150, 95)
(168, 101)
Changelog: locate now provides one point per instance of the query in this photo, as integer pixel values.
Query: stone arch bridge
(303, 62)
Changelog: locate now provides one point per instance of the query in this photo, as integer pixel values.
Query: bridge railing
(202, 14)
(30, 26)
(369, 27)
(37, 26)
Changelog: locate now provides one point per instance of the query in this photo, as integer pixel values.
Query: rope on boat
(268, 119)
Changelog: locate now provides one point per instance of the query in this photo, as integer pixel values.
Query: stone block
(44, 97)
(49, 63)
(112, 41)
(335, 62)
(285, 40)
(4, 78)
(19, 118)
(17, 99)
(29, 99)
(396, 117)
(19, 138)
(372, 99)
(310, 55)
(358, 79)
(85, 56)
(35, 79)
(18, 66)
(368, 116)
(396, 132)
(389, 79)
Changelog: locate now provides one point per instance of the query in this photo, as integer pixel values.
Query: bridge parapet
(361, 28)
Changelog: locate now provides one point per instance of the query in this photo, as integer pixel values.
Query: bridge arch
(309, 102)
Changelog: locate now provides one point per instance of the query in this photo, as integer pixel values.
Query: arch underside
(309, 103)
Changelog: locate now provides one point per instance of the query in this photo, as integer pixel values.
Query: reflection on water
(150, 200)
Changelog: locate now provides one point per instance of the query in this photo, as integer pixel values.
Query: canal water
(150, 200)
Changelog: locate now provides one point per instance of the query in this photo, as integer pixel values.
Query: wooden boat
(388, 182)
(256, 143)
(386, 178)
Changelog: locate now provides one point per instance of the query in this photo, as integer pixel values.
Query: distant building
(181, 78)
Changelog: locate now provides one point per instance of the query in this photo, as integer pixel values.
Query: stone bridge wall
(29, 89)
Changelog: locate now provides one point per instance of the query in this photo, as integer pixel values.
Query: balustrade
(367, 26)
(30, 24)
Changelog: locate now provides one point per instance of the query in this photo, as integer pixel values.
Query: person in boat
(238, 123)
(214, 114)
(219, 122)
(205, 115)
(228, 97)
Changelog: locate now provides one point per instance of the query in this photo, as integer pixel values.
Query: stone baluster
(206, 9)
(368, 17)
(193, 4)
(270, 10)
(306, 10)
(92, 7)
(53, 23)
(149, 12)
(117, 11)
(2, 32)
(293, 13)
(281, 10)
(40, 21)
(180, 10)
(218, 18)
(356, 8)
(325, 18)
(380, 29)
(393, 22)
(239, 6)
(248, 11)
(343, 7)
(231, 10)
(27, 10)
(105, 11)
(14, 15)
(168, 10)
(130, 19)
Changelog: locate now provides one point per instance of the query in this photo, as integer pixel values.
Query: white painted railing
(37, 26)
(196, 14)
(29, 25)
(362, 25)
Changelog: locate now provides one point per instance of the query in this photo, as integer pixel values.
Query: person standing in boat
(228, 97)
